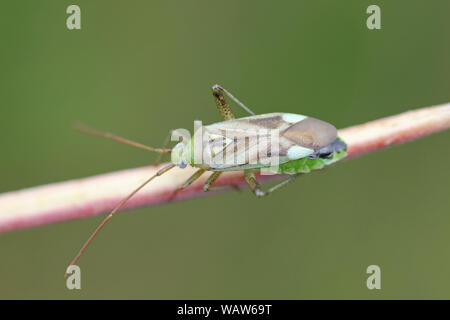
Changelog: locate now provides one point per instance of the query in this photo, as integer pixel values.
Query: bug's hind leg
(222, 104)
(188, 182)
(256, 187)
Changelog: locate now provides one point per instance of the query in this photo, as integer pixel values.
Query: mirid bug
(302, 144)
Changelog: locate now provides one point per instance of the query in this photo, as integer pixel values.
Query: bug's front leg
(256, 187)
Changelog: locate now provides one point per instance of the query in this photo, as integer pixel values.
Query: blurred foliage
(141, 68)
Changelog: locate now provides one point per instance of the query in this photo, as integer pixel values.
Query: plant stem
(99, 194)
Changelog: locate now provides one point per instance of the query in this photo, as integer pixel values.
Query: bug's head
(178, 155)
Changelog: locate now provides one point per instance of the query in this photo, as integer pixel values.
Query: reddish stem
(100, 194)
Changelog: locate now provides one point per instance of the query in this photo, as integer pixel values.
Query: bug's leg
(188, 182)
(256, 187)
(213, 177)
(253, 183)
(222, 104)
(219, 90)
(282, 183)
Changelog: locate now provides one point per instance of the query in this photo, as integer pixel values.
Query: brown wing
(263, 121)
(311, 133)
(243, 148)
(248, 142)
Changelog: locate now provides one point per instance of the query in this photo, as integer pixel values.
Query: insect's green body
(302, 165)
(305, 165)
(303, 144)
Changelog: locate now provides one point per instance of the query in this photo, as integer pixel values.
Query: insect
(303, 144)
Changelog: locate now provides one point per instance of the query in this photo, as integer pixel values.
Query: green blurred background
(141, 68)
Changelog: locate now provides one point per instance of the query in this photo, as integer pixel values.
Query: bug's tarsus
(282, 183)
(85, 129)
(117, 208)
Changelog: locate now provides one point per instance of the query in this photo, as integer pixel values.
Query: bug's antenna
(85, 129)
(117, 208)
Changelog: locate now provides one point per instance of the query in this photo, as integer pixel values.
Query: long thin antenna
(85, 129)
(117, 208)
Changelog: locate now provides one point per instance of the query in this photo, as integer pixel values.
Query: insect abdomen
(305, 165)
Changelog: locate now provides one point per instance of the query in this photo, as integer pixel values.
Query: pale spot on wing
(297, 152)
(292, 117)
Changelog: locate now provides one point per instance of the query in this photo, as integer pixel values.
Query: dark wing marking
(272, 122)
(263, 121)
